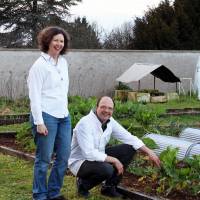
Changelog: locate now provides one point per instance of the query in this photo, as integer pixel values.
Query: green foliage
(24, 137)
(79, 106)
(83, 34)
(9, 106)
(145, 116)
(168, 160)
(173, 176)
(23, 19)
(140, 167)
(122, 86)
(124, 109)
(150, 143)
(169, 26)
(178, 175)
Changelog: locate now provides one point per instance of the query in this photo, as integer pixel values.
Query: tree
(169, 26)
(83, 34)
(157, 29)
(119, 38)
(188, 20)
(22, 19)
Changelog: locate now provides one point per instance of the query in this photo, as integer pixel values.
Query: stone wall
(93, 72)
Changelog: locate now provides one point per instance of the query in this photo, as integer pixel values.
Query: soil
(11, 143)
(132, 183)
(129, 181)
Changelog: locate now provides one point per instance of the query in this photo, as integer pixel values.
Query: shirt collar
(94, 112)
(47, 57)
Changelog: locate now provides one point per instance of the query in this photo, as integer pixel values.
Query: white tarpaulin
(136, 72)
(139, 70)
(197, 78)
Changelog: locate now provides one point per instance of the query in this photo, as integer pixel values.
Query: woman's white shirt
(48, 84)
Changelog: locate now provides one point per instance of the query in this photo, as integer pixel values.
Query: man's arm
(124, 136)
(152, 156)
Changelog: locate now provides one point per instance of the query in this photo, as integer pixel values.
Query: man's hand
(116, 163)
(42, 129)
(152, 156)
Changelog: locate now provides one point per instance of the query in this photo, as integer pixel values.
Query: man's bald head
(104, 108)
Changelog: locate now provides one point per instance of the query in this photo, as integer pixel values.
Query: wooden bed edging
(19, 154)
(135, 195)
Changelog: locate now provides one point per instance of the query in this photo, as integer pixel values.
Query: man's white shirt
(89, 140)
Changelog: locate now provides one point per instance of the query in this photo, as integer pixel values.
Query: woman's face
(56, 45)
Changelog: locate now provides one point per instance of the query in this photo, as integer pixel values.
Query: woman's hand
(42, 129)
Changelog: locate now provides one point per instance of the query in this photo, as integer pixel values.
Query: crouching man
(91, 161)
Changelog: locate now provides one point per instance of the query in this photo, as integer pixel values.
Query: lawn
(16, 181)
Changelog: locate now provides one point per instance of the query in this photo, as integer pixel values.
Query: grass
(18, 106)
(16, 181)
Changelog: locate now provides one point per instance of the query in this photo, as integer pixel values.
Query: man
(91, 161)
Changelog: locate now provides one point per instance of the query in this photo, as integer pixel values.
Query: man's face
(105, 109)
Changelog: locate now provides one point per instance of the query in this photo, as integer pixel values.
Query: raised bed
(13, 119)
(9, 147)
(184, 111)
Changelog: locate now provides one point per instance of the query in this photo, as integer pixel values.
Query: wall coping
(108, 50)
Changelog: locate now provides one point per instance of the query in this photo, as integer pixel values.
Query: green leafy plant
(122, 86)
(150, 143)
(24, 137)
(145, 117)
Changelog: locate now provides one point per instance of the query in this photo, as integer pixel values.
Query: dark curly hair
(46, 35)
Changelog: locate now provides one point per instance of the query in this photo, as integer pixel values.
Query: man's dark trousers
(93, 173)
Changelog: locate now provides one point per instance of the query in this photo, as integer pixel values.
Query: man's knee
(129, 149)
(106, 170)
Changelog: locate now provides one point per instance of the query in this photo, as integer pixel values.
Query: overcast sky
(109, 14)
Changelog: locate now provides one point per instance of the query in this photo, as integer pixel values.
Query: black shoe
(110, 191)
(81, 189)
(59, 198)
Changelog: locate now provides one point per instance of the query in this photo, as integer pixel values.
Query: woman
(48, 89)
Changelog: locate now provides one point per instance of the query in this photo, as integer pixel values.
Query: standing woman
(48, 84)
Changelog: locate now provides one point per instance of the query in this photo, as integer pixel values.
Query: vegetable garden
(176, 179)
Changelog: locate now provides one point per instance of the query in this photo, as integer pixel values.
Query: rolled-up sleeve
(120, 133)
(86, 142)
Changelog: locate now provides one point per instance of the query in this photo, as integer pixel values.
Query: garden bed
(184, 111)
(8, 145)
(131, 186)
(14, 119)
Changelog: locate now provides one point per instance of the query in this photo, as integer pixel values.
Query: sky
(109, 14)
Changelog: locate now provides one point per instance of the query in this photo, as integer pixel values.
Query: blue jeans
(57, 143)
